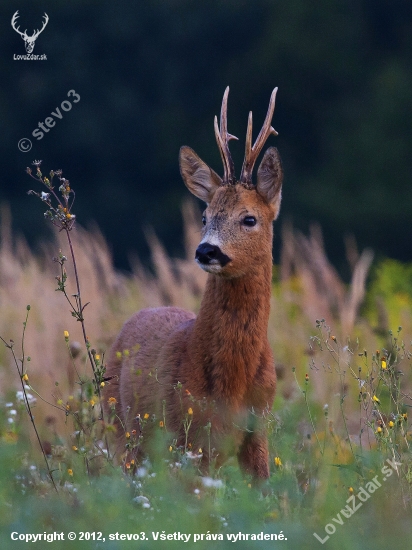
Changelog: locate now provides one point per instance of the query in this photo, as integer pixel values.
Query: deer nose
(206, 252)
(209, 253)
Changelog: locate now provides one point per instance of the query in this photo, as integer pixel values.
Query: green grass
(302, 497)
(342, 408)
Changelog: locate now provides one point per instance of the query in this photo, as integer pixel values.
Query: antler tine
(13, 24)
(222, 139)
(38, 32)
(252, 153)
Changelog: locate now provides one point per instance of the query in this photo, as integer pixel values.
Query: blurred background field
(151, 76)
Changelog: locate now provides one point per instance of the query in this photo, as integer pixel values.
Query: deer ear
(201, 180)
(270, 177)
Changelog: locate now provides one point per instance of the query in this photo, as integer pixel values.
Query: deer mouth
(211, 258)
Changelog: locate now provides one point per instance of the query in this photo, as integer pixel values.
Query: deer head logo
(29, 41)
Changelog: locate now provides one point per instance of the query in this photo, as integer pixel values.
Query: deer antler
(13, 24)
(252, 153)
(222, 139)
(46, 20)
(24, 34)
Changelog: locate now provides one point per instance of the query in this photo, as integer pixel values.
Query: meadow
(340, 430)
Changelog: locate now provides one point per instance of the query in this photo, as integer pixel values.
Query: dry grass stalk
(324, 294)
(29, 279)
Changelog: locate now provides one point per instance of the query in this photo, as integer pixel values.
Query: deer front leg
(253, 455)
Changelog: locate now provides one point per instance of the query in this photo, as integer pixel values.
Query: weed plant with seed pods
(341, 413)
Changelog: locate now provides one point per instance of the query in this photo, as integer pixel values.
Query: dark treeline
(151, 75)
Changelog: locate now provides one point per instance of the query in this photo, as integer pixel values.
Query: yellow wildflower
(170, 448)
(161, 424)
(102, 384)
(66, 334)
(92, 402)
(10, 437)
(25, 377)
(146, 416)
(75, 448)
(112, 401)
(190, 411)
(374, 398)
(391, 424)
(383, 364)
(277, 461)
(379, 430)
(70, 471)
(127, 435)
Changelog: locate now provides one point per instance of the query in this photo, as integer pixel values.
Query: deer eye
(250, 221)
(204, 220)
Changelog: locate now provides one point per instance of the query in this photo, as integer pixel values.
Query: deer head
(237, 233)
(29, 41)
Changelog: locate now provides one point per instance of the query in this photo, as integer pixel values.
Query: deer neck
(230, 331)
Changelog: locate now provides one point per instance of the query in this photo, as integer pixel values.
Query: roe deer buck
(216, 367)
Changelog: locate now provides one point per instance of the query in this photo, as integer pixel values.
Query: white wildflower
(144, 501)
(30, 398)
(210, 482)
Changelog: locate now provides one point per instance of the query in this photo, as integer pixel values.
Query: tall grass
(344, 393)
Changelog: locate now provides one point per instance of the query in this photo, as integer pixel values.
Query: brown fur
(222, 357)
